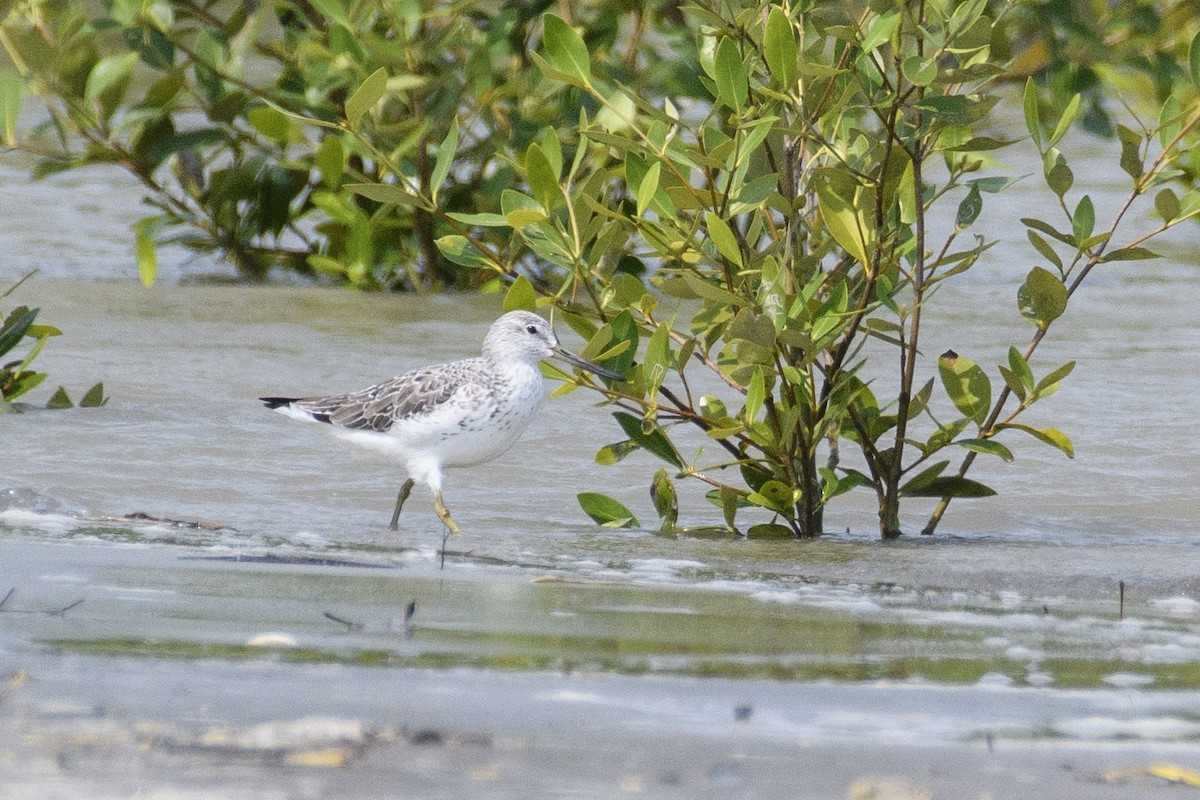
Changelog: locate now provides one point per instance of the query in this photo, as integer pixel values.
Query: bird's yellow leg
(400, 498)
(444, 513)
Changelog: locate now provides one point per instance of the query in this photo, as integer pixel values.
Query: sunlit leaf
(648, 187)
(1042, 298)
(1066, 120)
(966, 384)
(723, 238)
(1050, 382)
(146, 252)
(369, 92)
(776, 496)
(543, 182)
(665, 499)
(460, 250)
(1051, 436)
(566, 51)
(521, 296)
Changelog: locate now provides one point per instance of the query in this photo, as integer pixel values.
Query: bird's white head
(520, 336)
(524, 336)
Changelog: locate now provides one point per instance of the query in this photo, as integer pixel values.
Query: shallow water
(545, 653)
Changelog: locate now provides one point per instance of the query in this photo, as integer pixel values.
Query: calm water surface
(999, 645)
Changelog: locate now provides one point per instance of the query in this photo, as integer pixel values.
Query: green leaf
(755, 395)
(1131, 157)
(1166, 203)
(1049, 384)
(846, 220)
(1023, 375)
(12, 97)
(707, 290)
(967, 385)
(383, 193)
(1060, 178)
(606, 511)
(459, 250)
(543, 182)
(880, 30)
(612, 453)
(145, 251)
(15, 327)
(272, 123)
(654, 441)
(723, 238)
(919, 71)
(775, 495)
(369, 92)
(1042, 298)
(665, 499)
(1043, 247)
(986, 446)
(948, 486)
(108, 80)
(731, 79)
(1032, 123)
(566, 51)
(1194, 62)
(648, 188)
(1129, 254)
(1065, 121)
(968, 209)
(769, 530)
(94, 397)
(59, 400)
(779, 48)
(1083, 222)
(1051, 436)
(445, 158)
(521, 296)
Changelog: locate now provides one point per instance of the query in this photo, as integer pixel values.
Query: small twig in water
(409, 610)
(59, 612)
(350, 624)
(14, 683)
(1120, 600)
(5, 600)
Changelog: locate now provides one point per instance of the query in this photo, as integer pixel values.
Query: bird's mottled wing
(378, 407)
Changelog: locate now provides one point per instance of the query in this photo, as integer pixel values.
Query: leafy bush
(232, 116)
(786, 211)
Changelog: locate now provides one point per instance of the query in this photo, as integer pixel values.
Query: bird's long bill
(583, 363)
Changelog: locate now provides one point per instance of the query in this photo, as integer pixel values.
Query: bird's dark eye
(531, 329)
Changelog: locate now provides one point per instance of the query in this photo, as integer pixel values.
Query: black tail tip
(277, 402)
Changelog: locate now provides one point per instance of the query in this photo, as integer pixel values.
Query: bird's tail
(278, 402)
